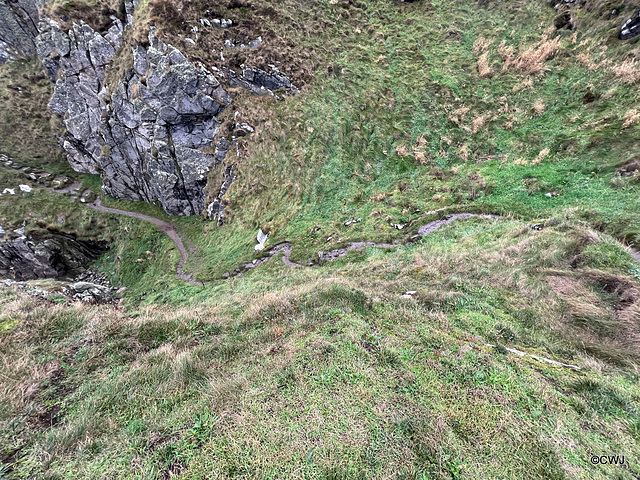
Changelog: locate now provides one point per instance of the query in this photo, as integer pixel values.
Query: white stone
(261, 238)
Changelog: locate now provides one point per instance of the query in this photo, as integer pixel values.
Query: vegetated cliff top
(332, 372)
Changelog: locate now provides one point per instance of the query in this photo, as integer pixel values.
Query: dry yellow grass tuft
(478, 123)
(630, 118)
(587, 61)
(457, 116)
(539, 107)
(627, 72)
(481, 45)
(419, 149)
(541, 156)
(483, 66)
(463, 152)
(532, 60)
(402, 151)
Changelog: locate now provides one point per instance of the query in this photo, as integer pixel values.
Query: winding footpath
(165, 227)
(286, 247)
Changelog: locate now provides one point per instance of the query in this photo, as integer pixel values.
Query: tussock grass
(335, 374)
(329, 372)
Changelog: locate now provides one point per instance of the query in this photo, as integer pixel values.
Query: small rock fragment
(630, 28)
(261, 238)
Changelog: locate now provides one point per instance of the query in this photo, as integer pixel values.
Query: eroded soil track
(169, 229)
(165, 227)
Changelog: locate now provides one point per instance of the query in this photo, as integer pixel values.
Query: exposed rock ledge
(151, 135)
(146, 137)
(54, 255)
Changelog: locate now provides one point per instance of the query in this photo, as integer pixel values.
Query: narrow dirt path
(165, 227)
(286, 248)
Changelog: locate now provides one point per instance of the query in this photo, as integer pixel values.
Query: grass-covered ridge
(329, 372)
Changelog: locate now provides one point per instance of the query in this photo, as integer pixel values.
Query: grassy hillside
(330, 372)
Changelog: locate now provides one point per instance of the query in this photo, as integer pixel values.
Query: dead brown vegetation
(96, 14)
(532, 60)
(628, 72)
(607, 330)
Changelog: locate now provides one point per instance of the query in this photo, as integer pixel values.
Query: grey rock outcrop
(89, 292)
(150, 133)
(161, 118)
(630, 28)
(18, 29)
(57, 256)
(76, 61)
(146, 137)
(259, 82)
(215, 210)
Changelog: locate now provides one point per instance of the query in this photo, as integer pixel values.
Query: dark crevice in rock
(49, 254)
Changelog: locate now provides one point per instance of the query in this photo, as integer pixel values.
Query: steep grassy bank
(424, 106)
(331, 373)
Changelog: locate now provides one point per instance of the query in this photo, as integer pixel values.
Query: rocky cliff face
(160, 118)
(54, 255)
(145, 137)
(76, 62)
(153, 135)
(18, 28)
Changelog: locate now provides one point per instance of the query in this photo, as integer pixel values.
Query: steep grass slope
(331, 372)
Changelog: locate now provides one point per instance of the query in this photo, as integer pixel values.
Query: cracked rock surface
(58, 255)
(18, 28)
(146, 137)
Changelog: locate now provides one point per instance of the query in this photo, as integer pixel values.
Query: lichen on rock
(18, 28)
(146, 136)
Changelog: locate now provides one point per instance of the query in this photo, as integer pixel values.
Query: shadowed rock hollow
(51, 255)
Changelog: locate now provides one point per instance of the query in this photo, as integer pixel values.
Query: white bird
(261, 238)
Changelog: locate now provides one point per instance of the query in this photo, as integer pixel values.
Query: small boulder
(89, 292)
(59, 182)
(629, 168)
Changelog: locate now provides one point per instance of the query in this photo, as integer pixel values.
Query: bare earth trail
(169, 229)
(286, 247)
(165, 227)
